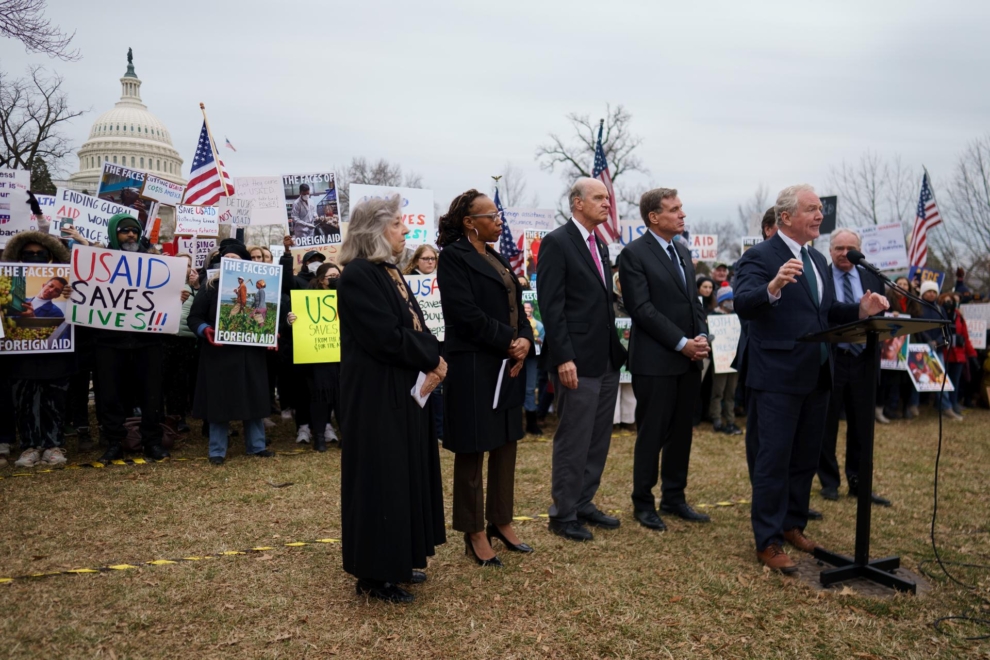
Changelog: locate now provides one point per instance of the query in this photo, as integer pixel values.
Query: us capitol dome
(128, 135)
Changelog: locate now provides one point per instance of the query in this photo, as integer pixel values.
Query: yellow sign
(316, 332)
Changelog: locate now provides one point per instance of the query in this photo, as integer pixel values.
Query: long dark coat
(476, 314)
(391, 491)
(232, 381)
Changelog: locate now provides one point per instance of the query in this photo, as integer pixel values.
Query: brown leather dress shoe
(797, 538)
(774, 558)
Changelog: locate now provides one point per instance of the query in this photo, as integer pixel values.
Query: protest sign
(926, 275)
(926, 370)
(127, 291)
(162, 191)
(266, 197)
(416, 208)
(725, 329)
(277, 252)
(883, 246)
(316, 332)
(330, 251)
(894, 353)
(531, 307)
(975, 311)
(704, 247)
(830, 209)
(196, 220)
(623, 328)
(15, 213)
(250, 293)
(531, 248)
(32, 309)
(520, 219)
(125, 186)
(47, 204)
(427, 293)
(316, 219)
(235, 211)
(750, 241)
(977, 329)
(197, 248)
(89, 215)
(630, 229)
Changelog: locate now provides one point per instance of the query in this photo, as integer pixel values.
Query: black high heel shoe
(469, 550)
(493, 531)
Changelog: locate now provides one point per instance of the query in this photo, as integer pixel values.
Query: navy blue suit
(788, 382)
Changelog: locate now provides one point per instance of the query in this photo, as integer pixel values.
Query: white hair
(366, 233)
(787, 199)
(845, 230)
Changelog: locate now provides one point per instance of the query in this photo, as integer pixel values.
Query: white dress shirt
(664, 244)
(795, 249)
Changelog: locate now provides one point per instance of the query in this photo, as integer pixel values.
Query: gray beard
(129, 247)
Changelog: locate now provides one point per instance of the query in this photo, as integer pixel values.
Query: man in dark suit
(583, 355)
(666, 349)
(853, 379)
(784, 290)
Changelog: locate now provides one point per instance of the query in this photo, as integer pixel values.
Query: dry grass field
(695, 591)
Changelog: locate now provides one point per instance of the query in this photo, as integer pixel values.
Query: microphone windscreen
(854, 256)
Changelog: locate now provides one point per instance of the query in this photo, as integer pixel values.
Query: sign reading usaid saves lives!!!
(126, 291)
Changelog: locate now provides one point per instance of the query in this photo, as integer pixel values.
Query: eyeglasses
(497, 215)
(428, 259)
(128, 230)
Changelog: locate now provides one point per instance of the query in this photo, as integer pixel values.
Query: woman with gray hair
(391, 495)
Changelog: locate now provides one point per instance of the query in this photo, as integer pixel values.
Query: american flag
(507, 246)
(927, 218)
(228, 144)
(608, 231)
(204, 187)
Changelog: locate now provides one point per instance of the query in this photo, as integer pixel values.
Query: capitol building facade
(128, 135)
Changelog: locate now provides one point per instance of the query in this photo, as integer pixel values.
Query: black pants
(852, 387)
(139, 372)
(8, 434)
(664, 413)
(182, 357)
(40, 406)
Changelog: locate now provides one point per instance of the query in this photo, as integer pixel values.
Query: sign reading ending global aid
(427, 293)
(126, 291)
(416, 208)
(89, 215)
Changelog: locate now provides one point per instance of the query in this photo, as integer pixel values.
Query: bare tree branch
(379, 173)
(25, 21)
(873, 192)
(512, 189)
(751, 211)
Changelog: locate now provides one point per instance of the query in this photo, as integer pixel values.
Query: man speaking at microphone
(785, 291)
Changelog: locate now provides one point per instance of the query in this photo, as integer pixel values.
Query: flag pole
(213, 148)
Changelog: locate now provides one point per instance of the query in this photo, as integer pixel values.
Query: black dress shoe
(494, 562)
(264, 453)
(599, 519)
(156, 452)
(651, 520)
(571, 529)
(216, 460)
(876, 499)
(386, 591)
(814, 515)
(493, 531)
(831, 494)
(320, 445)
(418, 577)
(683, 510)
(113, 453)
(732, 429)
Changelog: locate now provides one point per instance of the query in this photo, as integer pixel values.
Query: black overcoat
(391, 490)
(476, 315)
(232, 381)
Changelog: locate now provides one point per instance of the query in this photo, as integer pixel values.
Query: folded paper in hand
(417, 388)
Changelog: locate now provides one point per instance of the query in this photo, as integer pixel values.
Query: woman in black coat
(391, 493)
(232, 381)
(487, 334)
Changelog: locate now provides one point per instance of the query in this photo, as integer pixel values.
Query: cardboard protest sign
(196, 220)
(926, 370)
(313, 220)
(750, 241)
(725, 328)
(316, 332)
(975, 311)
(265, 196)
(427, 293)
(197, 248)
(33, 300)
(623, 328)
(520, 219)
(125, 186)
(277, 252)
(531, 307)
(329, 250)
(630, 229)
(235, 211)
(884, 247)
(926, 275)
(416, 208)
(250, 293)
(531, 249)
(162, 191)
(89, 215)
(15, 214)
(126, 291)
(47, 204)
(977, 329)
(894, 353)
(704, 247)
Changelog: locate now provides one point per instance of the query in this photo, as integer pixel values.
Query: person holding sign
(391, 495)
(487, 341)
(232, 380)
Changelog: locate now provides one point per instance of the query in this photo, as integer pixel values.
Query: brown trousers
(469, 497)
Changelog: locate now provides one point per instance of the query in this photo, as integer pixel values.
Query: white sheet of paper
(417, 388)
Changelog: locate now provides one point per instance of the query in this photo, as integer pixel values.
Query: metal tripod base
(878, 570)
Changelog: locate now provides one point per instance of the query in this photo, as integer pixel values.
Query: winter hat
(724, 293)
(237, 248)
(928, 286)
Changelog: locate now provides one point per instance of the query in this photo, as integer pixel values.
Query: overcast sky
(725, 95)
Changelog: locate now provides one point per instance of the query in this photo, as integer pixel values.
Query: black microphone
(857, 259)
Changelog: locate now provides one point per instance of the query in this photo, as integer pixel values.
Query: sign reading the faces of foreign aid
(33, 299)
(247, 311)
(316, 332)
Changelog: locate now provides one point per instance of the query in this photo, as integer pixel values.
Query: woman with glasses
(423, 262)
(488, 338)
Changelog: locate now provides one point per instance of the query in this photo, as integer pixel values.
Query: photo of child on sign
(245, 316)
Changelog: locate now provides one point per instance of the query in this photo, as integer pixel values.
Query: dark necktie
(848, 297)
(809, 275)
(677, 262)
